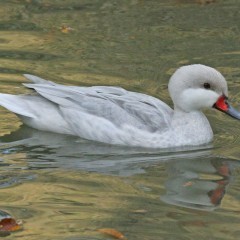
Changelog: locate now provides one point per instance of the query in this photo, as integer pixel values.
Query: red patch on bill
(221, 104)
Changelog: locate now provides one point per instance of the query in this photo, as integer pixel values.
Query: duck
(113, 115)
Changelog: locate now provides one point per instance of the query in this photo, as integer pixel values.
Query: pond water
(63, 187)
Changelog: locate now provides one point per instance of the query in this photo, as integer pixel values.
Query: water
(63, 187)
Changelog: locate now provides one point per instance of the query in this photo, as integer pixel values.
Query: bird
(113, 115)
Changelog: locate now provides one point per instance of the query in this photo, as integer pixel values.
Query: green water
(67, 188)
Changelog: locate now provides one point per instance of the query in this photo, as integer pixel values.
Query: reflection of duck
(195, 178)
(114, 115)
(198, 184)
(51, 150)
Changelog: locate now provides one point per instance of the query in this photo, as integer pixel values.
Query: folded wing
(115, 105)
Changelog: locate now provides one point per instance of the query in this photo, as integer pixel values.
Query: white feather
(116, 116)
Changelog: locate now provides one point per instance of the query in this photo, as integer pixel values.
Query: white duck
(116, 116)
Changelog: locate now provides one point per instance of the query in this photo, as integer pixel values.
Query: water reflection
(195, 178)
(49, 150)
(198, 183)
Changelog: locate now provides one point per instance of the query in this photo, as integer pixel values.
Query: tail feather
(38, 80)
(16, 104)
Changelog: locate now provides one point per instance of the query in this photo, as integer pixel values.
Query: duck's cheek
(195, 99)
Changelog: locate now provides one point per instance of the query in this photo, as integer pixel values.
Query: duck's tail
(16, 104)
(21, 104)
(38, 80)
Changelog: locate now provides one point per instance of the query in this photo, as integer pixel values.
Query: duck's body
(116, 116)
(106, 114)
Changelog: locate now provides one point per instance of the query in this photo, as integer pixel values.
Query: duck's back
(90, 112)
(115, 104)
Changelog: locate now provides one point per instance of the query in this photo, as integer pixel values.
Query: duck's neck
(193, 127)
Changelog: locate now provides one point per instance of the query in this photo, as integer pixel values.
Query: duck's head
(197, 86)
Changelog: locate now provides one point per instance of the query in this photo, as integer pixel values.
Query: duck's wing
(150, 111)
(118, 106)
(39, 80)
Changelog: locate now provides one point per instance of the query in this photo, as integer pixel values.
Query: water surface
(64, 187)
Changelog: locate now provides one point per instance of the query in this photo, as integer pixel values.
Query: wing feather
(115, 104)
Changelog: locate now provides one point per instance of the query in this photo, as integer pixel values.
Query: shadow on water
(195, 178)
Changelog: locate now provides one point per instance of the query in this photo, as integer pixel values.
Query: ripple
(37, 7)
(19, 26)
(10, 179)
(27, 55)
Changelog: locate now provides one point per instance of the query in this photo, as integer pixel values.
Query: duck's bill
(225, 107)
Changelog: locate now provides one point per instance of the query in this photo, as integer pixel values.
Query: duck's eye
(206, 85)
